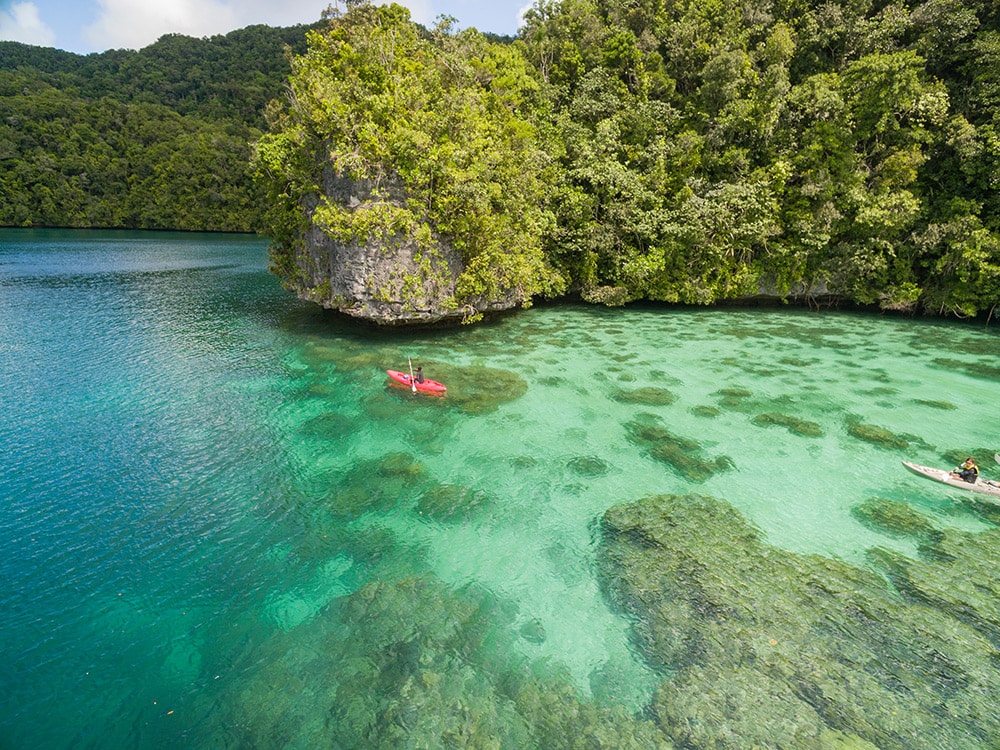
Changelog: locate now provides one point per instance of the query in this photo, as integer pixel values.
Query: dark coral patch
(796, 426)
(649, 396)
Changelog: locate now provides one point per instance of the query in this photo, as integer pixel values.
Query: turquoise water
(221, 526)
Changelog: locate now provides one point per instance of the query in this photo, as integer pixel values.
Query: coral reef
(980, 370)
(894, 518)
(795, 425)
(413, 663)
(648, 396)
(956, 456)
(375, 485)
(876, 435)
(883, 438)
(734, 398)
(685, 456)
(958, 574)
(449, 503)
(589, 466)
(944, 405)
(477, 389)
(760, 647)
(705, 410)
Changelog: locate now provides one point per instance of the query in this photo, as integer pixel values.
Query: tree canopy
(712, 149)
(687, 152)
(682, 152)
(155, 139)
(444, 116)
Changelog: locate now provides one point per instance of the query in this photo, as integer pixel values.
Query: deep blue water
(203, 480)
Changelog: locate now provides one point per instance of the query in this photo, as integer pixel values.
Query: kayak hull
(428, 386)
(980, 486)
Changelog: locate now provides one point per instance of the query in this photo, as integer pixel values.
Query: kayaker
(968, 471)
(419, 377)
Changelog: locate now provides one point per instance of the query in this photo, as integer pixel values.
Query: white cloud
(22, 24)
(134, 24)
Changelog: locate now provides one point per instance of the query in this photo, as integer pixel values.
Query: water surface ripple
(221, 526)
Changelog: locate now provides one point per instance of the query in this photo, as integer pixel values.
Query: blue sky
(85, 26)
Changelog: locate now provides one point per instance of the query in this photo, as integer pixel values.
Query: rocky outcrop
(393, 281)
(396, 280)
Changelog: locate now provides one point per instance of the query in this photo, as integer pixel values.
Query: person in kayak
(419, 377)
(968, 471)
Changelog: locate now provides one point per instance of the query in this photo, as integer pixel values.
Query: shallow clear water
(200, 476)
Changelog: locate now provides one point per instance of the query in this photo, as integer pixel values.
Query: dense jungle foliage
(679, 151)
(155, 139)
(450, 116)
(686, 152)
(710, 145)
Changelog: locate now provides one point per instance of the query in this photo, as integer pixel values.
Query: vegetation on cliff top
(438, 126)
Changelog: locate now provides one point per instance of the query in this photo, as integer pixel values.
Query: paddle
(413, 383)
(996, 457)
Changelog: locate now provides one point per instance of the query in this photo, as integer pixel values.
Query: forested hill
(697, 151)
(156, 138)
(685, 151)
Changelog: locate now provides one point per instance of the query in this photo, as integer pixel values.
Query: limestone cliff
(388, 279)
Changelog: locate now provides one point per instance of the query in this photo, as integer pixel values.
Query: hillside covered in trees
(689, 152)
(685, 152)
(158, 138)
(710, 148)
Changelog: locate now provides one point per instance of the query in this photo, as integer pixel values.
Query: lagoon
(221, 526)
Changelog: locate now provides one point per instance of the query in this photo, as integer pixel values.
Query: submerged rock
(894, 518)
(685, 456)
(760, 647)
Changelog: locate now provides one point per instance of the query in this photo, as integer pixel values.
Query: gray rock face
(390, 282)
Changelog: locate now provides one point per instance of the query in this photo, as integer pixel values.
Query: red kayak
(428, 386)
